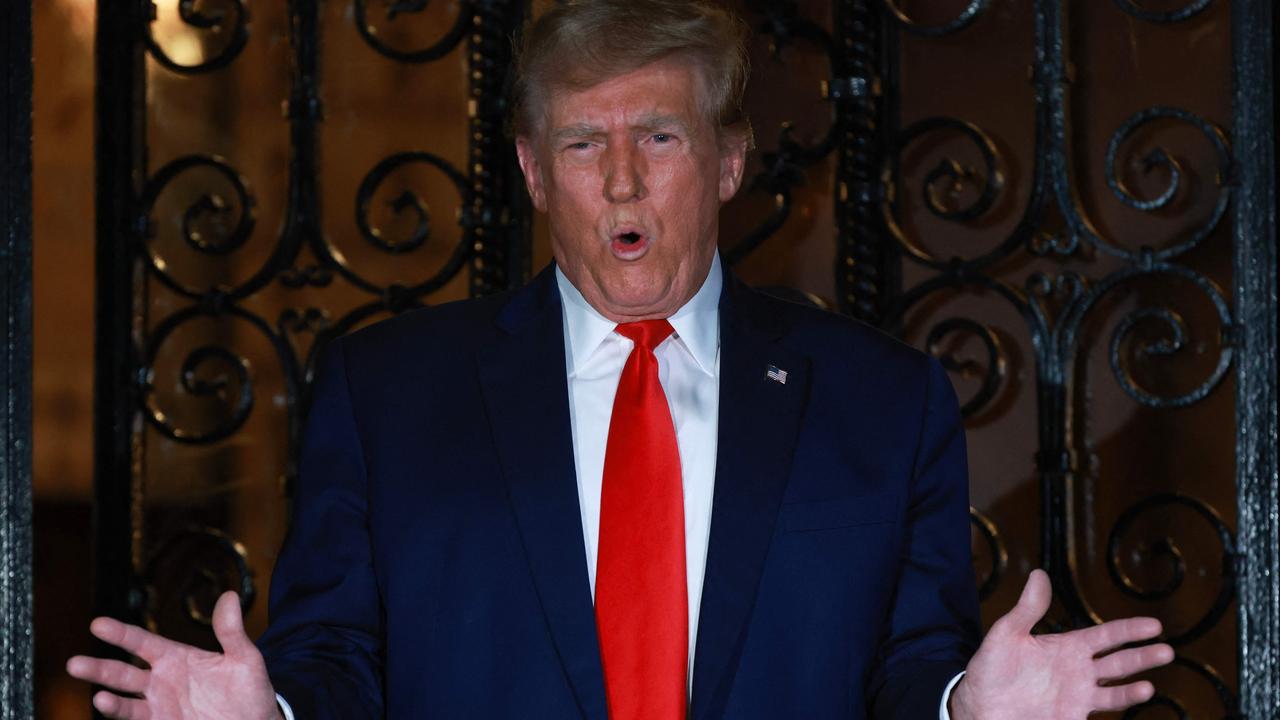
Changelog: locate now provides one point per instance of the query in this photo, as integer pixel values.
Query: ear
(532, 171)
(733, 161)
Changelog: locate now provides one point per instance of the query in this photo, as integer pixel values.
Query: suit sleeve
(323, 645)
(933, 627)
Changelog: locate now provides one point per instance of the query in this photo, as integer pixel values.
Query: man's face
(632, 174)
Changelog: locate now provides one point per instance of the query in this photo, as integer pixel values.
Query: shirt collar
(697, 322)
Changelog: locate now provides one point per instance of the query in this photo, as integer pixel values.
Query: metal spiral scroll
(437, 50)
(1230, 703)
(1160, 157)
(1165, 17)
(972, 11)
(208, 207)
(992, 374)
(995, 548)
(1167, 548)
(410, 202)
(954, 174)
(1124, 330)
(1177, 326)
(214, 21)
(209, 371)
(220, 544)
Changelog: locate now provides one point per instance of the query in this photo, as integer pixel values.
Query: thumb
(1032, 605)
(228, 625)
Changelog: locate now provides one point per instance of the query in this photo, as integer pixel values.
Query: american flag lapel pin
(776, 374)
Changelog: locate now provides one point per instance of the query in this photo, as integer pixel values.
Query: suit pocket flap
(837, 513)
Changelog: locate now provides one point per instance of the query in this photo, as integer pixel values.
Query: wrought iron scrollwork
(199, 547)
(1160, 157)
(1166, 551)
(991, 372)
(994, 545)
(784, 168)
(209, 371)
(1064, 289)
(948, 172)
(230, 19)
(1164, 17)
(209, 211)
(1056, 296)
(964, 19)
(406, 201)
(396, 296)
(1226, 698)
(1123, 335)
(445, 45)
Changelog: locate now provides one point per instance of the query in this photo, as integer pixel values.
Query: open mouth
(629, 242)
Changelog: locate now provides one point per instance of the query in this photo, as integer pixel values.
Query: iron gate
(189, 273)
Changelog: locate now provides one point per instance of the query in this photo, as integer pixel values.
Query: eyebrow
(646, 122)
(575, 131)
(663, 122)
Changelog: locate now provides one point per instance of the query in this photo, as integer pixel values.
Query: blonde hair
(581, 43)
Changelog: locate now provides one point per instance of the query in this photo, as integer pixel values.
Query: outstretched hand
(183, 681)
(1019, 676)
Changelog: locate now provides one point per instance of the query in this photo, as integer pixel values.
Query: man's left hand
(1019, 676)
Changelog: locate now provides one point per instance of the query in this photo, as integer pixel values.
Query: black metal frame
(119, 148)
(1254, 24)
(16, 633)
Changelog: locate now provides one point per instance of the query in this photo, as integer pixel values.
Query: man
(635, 488)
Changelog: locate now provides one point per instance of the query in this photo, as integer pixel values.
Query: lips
(629, 242)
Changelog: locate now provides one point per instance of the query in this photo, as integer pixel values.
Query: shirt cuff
(942, 708)
(288, 711)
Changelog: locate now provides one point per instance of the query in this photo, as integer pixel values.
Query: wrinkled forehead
(668, 91)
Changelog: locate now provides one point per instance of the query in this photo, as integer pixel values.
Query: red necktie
(642, 614)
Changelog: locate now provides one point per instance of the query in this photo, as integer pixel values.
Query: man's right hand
(183, 681)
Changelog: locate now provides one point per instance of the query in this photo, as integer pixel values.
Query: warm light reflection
(179, 40)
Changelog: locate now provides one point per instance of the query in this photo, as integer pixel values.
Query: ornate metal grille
(1030, 326)
(171, 374)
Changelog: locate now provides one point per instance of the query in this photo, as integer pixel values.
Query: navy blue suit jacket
(435, 564)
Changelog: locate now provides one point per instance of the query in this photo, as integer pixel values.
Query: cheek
(571, 196)
(690, 192)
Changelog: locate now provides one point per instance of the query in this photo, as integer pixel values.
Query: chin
(633, 300)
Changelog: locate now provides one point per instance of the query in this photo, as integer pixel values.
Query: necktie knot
(647, 334)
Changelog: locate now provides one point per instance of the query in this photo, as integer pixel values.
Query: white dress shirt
(689, 370)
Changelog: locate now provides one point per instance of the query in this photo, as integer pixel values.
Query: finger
(132, 638)
(1120, 697)
(1031, 607)
(110, 673)
(1123, 663)
(114, 706)
(228, 626)
(1115, 633)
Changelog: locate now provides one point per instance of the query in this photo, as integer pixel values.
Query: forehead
(670, 88)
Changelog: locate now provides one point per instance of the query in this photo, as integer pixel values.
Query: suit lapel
(759, 422)
(525, 392)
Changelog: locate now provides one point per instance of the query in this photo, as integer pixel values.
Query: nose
(623, 173)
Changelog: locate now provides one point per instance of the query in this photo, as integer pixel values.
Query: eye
(662, 138)
(579, 146)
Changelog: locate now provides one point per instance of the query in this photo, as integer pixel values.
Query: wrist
(959, 702)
